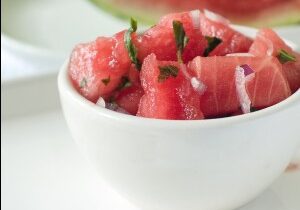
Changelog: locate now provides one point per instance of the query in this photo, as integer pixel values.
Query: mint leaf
(106, 81)
(180, 38)
(125, 82)
(283, 56)
(130, 46)
(133, 24)
(213, 42)
(83, 83)
(166, 72)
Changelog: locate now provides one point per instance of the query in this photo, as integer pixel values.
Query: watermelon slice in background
(267, 42)
(246, 12)
(96, 68)
(173, 98)
(268, 86)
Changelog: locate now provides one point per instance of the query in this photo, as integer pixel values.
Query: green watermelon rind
(125, 13)
(286, 17)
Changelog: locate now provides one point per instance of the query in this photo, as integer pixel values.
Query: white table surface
(42, 169)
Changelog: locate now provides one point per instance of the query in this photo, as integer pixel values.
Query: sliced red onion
(247, 69)
(101, 102)
(240, 84)
(215, 17)
(198, 85)
(240, 54)
(195, 16)
(116, 108)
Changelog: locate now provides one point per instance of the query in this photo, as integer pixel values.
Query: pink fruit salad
(187, 67)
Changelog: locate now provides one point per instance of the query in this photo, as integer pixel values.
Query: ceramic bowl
(216, 164)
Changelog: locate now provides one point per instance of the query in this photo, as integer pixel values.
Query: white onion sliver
(195, 16)
(240, 54)
(240, 84)
(215, 17)
(198, 85)
(101, 102)
(184, 71)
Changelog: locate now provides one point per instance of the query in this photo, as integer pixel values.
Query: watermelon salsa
(188, 66)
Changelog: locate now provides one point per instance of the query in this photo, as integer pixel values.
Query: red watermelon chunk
(267, 42)
(129, 98)
(160, 40)
(232, 41)
(269, 85)
(173, 98)
(96, 68)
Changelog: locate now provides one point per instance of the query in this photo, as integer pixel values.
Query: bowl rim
(66, 89)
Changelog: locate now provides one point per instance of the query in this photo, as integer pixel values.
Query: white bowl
(216, 164)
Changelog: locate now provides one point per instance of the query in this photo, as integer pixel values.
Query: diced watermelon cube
(269, 85)
(174, 98)
(160, 40)
(96, 68)
(267, 42)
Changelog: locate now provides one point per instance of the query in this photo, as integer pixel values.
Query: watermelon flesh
(268, 87)
(246, 12)
(129, 98)
(267, 42)
(96, 68)
(203, 87)
(160, 40)
(232, 41)
(173, 99)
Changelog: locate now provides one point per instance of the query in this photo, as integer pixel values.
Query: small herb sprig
(166, 72)
(132, 50)
(83, 83)
(212, 42)
(283, 56)
(124, 83)
(180, 38)
(106, 81)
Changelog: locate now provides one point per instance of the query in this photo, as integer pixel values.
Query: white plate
(37, 35)
(42, 169)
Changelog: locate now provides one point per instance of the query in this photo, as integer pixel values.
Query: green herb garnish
(125, 82)
(130, 46)
(180, 38)
(166, 72)
(253, 109)
(283, 56)
(83, 82)
(213, 42)
(106, 81)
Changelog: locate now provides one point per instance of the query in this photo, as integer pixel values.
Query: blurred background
(37, 35)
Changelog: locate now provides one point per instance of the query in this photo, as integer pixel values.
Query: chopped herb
(180, 38)
(111, 99)
(284, 56)
(185, 41)
(83, 83)
(213, 42)
(166, 72)
(253, 109)
(125, 82)
(129, 44)
(106, 81)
